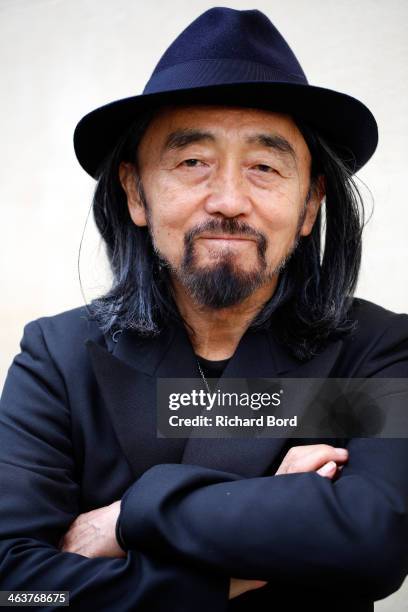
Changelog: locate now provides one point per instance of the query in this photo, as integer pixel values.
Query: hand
(92, 534)
(322, 458)
(238, 586)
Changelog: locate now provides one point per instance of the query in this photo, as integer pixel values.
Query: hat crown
(238, 58)
(223, 34)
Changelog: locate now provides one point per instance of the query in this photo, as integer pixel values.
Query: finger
(239, 586)
(306, 449)
(313, 460)
(325, 453)
(328, 470)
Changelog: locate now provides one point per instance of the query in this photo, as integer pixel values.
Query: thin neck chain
(203, 377)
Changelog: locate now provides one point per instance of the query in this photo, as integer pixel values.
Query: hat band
(207, 72)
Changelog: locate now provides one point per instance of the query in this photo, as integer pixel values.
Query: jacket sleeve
(302, 527)
(39, 493)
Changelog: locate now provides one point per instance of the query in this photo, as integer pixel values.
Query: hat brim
(347, 123)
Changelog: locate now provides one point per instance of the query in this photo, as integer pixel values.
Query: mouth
(227, 237)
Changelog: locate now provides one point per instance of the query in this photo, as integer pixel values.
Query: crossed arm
(314, 530)
(94, 533)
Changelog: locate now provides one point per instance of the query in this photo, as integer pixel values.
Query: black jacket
(78, 431)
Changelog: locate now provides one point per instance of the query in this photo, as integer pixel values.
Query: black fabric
(212, 369)
(229, 56)
(78, 432)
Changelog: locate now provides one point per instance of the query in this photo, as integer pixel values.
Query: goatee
(223, 283)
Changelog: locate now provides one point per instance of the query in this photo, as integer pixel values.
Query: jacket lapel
(127, 375)
(259, 355)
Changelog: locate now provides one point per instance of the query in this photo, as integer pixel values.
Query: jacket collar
(126, 372)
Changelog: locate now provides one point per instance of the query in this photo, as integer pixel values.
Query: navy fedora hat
(232, 57)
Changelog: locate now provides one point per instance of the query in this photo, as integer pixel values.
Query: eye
(191, 163)
(266, 169)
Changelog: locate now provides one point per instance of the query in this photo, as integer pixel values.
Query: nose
(228, 192)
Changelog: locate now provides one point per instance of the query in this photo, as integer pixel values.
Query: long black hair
(311, 303)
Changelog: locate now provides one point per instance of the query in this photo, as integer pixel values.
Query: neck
(218, 332)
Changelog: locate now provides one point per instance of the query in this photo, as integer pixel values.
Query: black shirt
(212, 369)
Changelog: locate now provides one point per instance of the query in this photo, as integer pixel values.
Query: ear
(129, 180)
(313, 206)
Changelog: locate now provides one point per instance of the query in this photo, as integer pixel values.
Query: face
(224, 193)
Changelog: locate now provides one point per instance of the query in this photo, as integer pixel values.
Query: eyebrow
(180, 138)
(183, 137)
(274, 142)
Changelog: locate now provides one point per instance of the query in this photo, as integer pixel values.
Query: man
(209, 198)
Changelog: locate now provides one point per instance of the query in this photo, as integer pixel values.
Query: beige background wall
(62, 58)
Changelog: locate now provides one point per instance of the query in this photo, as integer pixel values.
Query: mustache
(225, 226)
